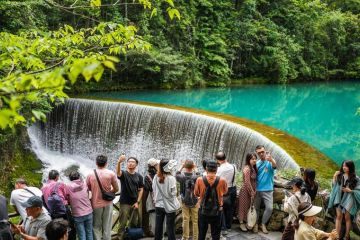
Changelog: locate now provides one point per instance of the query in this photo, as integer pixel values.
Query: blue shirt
(265, 176)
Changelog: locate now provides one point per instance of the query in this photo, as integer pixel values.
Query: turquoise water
(321, 114)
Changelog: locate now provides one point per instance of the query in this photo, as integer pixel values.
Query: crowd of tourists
(83, 207)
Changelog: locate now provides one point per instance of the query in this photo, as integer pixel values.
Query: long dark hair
(248, 157)
(301, 217)
(352, 176)
(161, 173)
(309, 177)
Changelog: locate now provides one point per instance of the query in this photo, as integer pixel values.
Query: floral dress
(247, 191)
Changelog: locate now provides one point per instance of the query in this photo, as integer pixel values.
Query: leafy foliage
(37, 66)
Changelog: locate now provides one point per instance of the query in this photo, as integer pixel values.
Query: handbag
(133, 233)
(227, 198)
(107, 196)
(251, 215)
(170, 204)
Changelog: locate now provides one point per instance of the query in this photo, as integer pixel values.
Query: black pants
(159, 222)
(229, 209)
(289, 232)
(215, 226)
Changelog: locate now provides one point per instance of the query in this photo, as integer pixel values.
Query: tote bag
(251, 215)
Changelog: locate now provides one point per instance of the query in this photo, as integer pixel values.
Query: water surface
(321, 114)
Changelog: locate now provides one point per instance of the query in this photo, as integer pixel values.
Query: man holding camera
(132, 186)
(264, 185)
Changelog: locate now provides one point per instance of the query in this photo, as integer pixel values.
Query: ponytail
(296, 223)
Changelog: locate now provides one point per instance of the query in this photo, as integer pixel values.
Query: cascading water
(79, 130)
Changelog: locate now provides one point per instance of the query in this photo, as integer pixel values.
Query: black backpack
(210, 203)
(55, 204)
(188, 197)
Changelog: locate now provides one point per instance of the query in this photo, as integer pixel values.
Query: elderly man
(33, 228)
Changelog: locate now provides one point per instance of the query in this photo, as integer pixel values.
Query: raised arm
(118, 165)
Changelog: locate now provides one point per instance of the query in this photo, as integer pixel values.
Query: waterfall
(79, 130)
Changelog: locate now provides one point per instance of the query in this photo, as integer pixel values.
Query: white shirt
(226, 170)
(20, 196)
(291, 204)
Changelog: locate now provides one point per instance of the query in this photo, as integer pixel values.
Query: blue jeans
(84, 227)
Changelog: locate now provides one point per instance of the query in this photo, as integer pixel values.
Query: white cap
(310, 211)
(153, 162)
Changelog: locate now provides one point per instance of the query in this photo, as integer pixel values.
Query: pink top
(78, 197)
(48, 187)
(107, 179)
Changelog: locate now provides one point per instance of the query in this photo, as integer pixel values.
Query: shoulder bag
(107, 196)
(251, 215)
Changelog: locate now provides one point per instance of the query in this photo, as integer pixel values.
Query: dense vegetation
(48, 47)
(215, 42)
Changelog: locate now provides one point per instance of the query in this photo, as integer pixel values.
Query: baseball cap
(34, 201)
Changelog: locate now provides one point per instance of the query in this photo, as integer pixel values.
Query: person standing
(149, 216)
(166, 202)
(210, 190)
(132, 187)
(102, 209)
(264, 185)
(309, 182)
(345, 195)
(291, 204)
(248, 189)
(58, 208)
(5, 233)
(78, 198)
(189, 200)
(227, 171)
(33, 228)
(21, 194)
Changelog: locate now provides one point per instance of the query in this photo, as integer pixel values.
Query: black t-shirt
(130, 185)
(3, 207)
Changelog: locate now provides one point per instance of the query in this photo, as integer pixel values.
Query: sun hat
(310, 211)
(152, 162)
(170, 166)
(34, 201)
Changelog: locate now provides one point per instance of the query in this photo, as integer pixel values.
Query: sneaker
(243, 227)
(256, 228)
(224, 232)
(263, 229)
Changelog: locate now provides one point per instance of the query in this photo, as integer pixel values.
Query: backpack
(55, 203)
(210, 203)
(188, 196)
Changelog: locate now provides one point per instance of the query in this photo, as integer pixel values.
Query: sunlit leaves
(95, 3)
(37, 66)
(173, 12)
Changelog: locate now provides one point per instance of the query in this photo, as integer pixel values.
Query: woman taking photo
(248, 189)
(310, 184)
(291, 204)
(166, 202)
(345, 195)
(303, 224)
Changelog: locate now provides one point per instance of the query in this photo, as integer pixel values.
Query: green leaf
(170, 2)
(38, 115)
(153, 12)
(110, 65)
(95, 3)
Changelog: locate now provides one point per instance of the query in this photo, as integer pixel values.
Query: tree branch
(48, 68)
